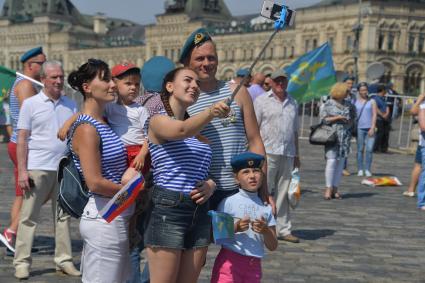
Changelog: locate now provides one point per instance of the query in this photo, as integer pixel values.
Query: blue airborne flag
(312, 75)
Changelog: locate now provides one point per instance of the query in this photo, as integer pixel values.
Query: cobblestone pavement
(372, 235)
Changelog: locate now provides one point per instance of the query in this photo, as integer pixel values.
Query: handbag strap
(361, 111)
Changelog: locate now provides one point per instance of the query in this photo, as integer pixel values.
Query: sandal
(335, 194)
(328, 194)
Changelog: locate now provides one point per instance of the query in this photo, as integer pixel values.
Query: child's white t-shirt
(127, 121)
(243, 204)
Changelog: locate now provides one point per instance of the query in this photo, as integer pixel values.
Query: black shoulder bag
(73, 193)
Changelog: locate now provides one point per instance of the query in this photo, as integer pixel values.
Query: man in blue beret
(21, 90)
(232, 136)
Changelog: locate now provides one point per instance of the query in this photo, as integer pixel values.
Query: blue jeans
(421, 184)
(136, 276)
(364, 142)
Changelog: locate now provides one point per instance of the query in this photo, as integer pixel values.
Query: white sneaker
(368, 174)
(360, 173)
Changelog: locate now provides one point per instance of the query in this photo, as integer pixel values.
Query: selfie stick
(278, 25)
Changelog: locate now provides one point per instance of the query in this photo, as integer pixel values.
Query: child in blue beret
(240, 259)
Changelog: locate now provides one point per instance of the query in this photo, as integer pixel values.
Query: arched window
(391, 42)
(411, 43)
(421, 43)
(307, 45)
(381, 41)
(413, 80)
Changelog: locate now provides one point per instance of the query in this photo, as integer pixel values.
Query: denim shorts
(176, 222)
(418, 155)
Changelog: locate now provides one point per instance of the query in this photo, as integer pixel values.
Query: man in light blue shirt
(277, 116)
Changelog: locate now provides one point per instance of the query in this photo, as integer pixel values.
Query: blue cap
(31, 53)
(154, 71)
(242, 72)
(246, 160)
(197, 37)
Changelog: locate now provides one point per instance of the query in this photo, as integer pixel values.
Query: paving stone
(372, 235)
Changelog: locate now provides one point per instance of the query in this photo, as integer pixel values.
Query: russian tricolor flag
(123, 199)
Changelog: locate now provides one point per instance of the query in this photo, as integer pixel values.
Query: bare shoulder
(242, 97)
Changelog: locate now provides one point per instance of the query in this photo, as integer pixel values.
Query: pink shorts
(231, 267)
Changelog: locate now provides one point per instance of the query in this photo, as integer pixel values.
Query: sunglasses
(37, 62)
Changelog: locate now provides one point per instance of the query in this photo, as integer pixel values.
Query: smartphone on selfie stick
(272, 11)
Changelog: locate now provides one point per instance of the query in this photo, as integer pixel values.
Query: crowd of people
(197, 150)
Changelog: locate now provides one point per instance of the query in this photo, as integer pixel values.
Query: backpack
(73, 192)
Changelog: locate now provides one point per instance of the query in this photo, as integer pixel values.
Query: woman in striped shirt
(178, 233)
(101, 159)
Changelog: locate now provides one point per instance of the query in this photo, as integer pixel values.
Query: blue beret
(154, 71)
(351, 78)
(246, 160)
(197, 37)
(242, 73)
(31, 53)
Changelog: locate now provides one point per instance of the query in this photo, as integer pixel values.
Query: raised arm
(255, 143)
(415, 108)
(163, 128)
(85, 144)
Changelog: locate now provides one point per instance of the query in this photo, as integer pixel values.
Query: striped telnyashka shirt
(179, 165)
(113, 153)
(225, 142)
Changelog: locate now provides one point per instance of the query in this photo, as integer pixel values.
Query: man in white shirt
(277, 116)
(38, 153)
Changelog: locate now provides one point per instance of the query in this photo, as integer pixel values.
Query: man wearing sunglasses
(21, 90)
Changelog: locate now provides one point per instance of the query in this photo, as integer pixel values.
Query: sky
(144, 11)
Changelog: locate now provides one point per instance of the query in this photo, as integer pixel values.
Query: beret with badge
(246, 160)
(196, 38)
(31, 53)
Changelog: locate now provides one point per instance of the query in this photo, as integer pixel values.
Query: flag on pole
(7, 77)
(123, 198)
(312, 75)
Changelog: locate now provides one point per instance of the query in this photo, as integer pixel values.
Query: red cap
(122, 68)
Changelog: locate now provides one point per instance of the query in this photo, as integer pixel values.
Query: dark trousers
(382, 135)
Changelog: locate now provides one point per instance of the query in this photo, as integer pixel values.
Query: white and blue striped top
(113, 153)
(14, 110)
(179, 165)
(225, 141)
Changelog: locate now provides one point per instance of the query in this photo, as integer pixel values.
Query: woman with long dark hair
(178, 233)
(101, 159)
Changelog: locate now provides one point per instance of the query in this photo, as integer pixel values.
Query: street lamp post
(356, 52)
